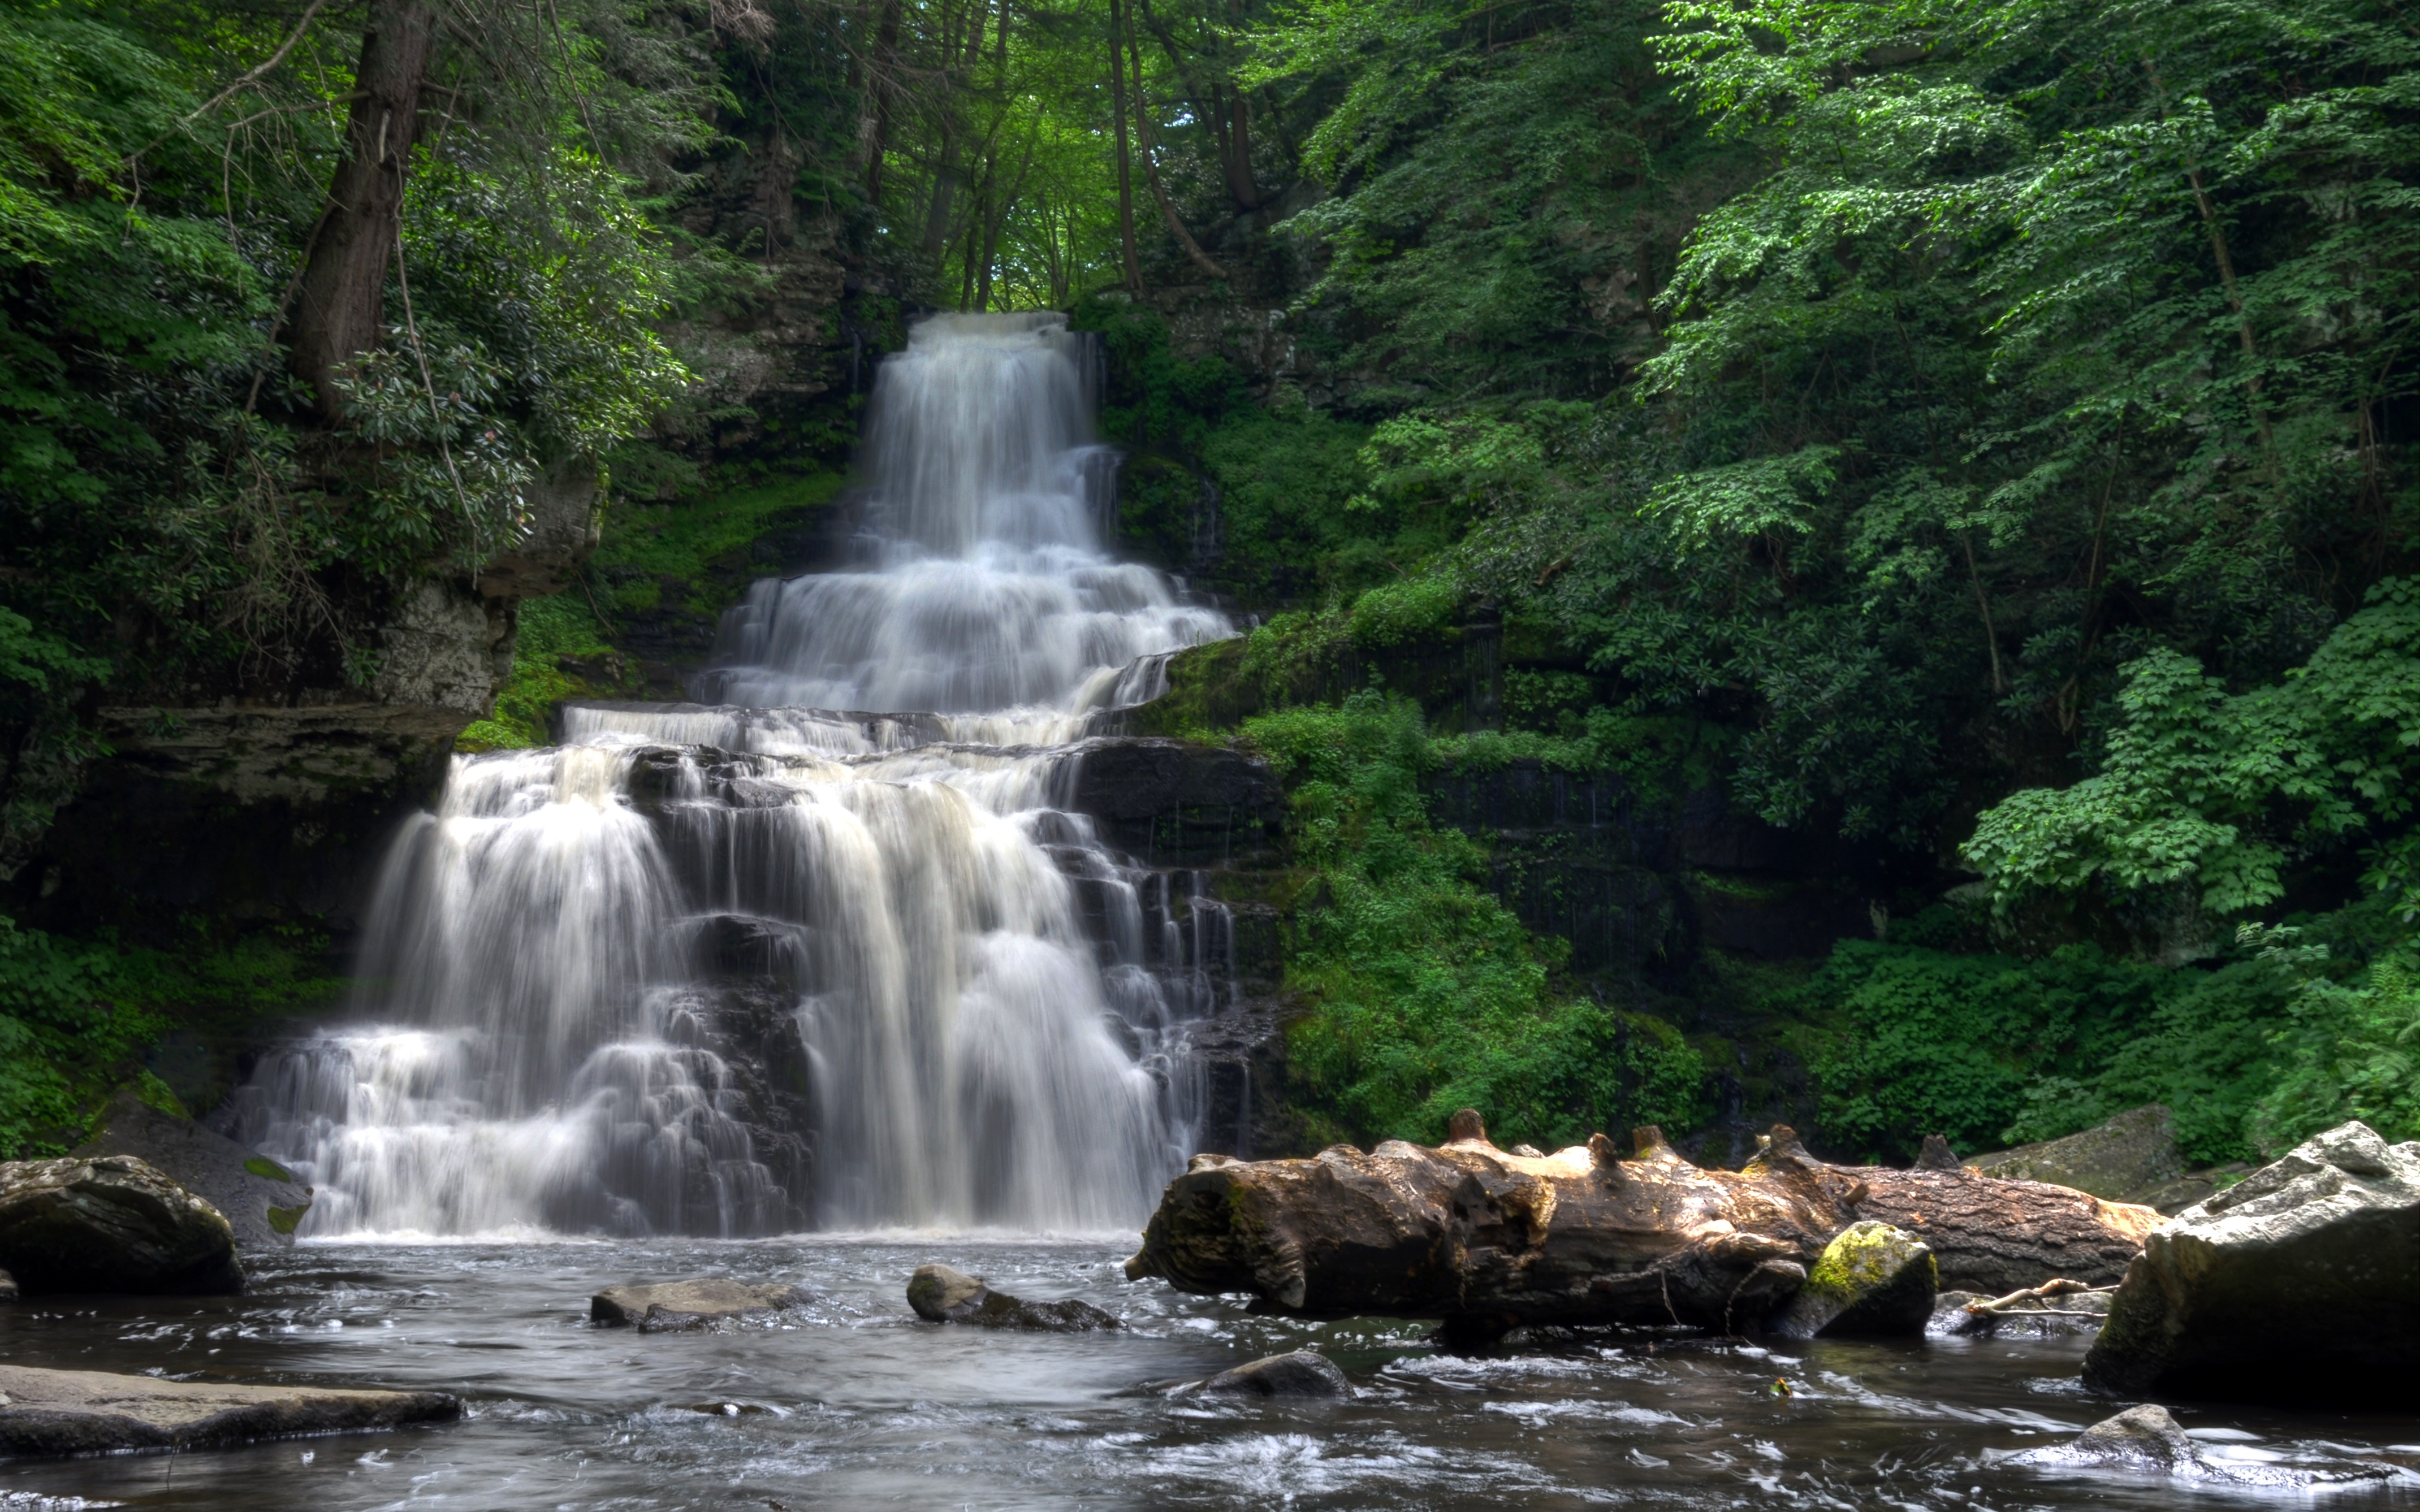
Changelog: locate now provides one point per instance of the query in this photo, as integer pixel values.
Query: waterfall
(825, 948)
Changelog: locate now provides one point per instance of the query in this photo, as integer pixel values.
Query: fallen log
(1486, 1241)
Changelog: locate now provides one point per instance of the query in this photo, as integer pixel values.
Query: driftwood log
(1487, 1240)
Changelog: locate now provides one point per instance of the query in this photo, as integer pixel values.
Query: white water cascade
(826, 950)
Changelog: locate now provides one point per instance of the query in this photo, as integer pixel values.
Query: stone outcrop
(1488, 1241)
(110, 1224)
(1871, 1281)
(2130, 1155)
(2301, 1282)
(2147, 1441)
(687, 1306)
(1175, 802)
(52, 1412)
(260, 1200)
(279, 800)
(1303, 1374)
(940, 1294)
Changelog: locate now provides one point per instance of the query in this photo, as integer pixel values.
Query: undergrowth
(1425, 993)
(76, 1016)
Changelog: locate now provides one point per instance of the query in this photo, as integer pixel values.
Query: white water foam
(988, 1003)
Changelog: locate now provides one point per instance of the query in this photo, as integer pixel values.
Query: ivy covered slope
(1969, 451)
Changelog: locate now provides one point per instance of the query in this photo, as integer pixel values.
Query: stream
(856, 1403)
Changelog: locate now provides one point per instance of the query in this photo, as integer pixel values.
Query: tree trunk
(1238, 144)
(1151, 176)
(340, 307)
(1488, 1242)
(1125, 177)
(882, 79)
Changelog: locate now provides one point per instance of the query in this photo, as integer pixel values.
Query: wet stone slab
(55, 1413)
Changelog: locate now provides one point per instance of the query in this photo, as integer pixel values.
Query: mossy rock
(1871, 1281)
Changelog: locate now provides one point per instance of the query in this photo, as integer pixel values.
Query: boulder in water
(1303, 1373)
(260, 1200)
(2133, 1153)
(685, 1306)
(2148, 1441)
(92, 1412)
(2062, 1315)
(111, 1223)
(942, 1295)
(2302, 1280)
(1871, 1281)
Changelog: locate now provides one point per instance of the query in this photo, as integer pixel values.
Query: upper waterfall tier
(988, 588)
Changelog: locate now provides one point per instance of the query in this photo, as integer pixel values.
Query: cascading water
(827, 949)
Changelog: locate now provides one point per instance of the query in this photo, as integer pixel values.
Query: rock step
(53, 1412)
(681, 1307)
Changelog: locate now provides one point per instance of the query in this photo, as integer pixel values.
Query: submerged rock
(2131, 1154)
(111, 1223)
(260, 1200)
(90, 1411)
(681, 1307)
(1303, 1373)
(2303, 1281)
(942, 1295)
(2148, 1441)
(1871, 1280)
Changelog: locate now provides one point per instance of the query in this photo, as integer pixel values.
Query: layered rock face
(2299, 1283)
(282, 805)
(111, 1223)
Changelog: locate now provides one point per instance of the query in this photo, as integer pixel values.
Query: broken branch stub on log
(1488, 1241)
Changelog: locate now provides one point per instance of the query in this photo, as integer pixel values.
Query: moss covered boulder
(110, 1224)
(1871, 1281)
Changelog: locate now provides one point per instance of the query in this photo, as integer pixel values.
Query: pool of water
(855, 1403)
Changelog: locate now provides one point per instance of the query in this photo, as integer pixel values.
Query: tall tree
(340, 306)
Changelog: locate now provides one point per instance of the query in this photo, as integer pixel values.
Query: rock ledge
(55, 1413)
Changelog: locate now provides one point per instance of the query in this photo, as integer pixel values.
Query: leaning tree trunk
(342, 301)
(1488, 1241)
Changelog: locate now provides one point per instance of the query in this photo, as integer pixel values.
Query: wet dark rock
(110, 1224)
(685, 1306)
(2131, 1154)
(942, 1295)
(1871, 1281)
(1175, 802)
(1301, 1374)
(2066, 1317)
(2148, 1441)
(260, 1200)
(52, 1412)
(2301, 1282)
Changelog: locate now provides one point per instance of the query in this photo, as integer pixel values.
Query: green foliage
(75, 1015)
(688, 539)
(2299, 1029)
(552, 629)
(2197, 786)
(1426, 995)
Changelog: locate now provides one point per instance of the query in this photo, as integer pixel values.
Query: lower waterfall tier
(879, 978)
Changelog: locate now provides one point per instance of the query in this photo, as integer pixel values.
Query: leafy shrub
(1427, 994)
